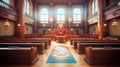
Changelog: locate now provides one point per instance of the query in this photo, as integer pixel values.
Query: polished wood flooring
(43, 58)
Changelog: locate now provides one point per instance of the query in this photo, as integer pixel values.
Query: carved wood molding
(93, 19)
(9, 14)
(29, 20)
(112, 13)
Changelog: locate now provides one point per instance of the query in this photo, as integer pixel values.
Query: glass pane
(44, 11)
(74, 17)
(7, 1)
(93, 8)
(25, 10)
(78, 16)
(60, 11)
(58, 16)
(62, 19)
(96, 5)
(42, 19)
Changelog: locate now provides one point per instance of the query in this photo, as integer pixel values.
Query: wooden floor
(43, 58)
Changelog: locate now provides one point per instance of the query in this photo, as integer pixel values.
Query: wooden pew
(45, 41)
(101, 55)
(76, 41)
(48, 40)
(72, 40)
(40, 46)
(82, 46)
(72, 36)
(24, 55)
(49, 36)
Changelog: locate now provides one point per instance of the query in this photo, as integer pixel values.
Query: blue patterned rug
(61, 54)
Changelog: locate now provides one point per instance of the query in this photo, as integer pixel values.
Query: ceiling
(60, 1)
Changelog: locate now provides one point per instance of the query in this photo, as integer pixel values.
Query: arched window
(60, 15)
(76, 15)
(44, 15)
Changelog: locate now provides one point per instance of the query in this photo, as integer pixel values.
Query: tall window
(94, 6)
(27, 7)
(44, 15)
(60, 15)
(76, 15)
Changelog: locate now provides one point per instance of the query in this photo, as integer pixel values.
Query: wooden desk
(60, 39)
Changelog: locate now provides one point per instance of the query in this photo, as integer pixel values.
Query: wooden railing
(114, 4)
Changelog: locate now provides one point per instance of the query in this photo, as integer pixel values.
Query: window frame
(44, 15)
(58, 13)
(75, 15)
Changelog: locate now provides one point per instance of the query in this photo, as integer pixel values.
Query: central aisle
(61, 53)
(79, 58)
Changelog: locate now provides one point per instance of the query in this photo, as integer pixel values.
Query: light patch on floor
(61, 54)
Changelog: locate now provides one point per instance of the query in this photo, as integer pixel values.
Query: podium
(60, 39)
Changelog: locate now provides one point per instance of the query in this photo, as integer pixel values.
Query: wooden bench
(40, 46)
(101, 55)
(82, 46)
(45, 41)
(49, 36)
(76, 41)
(25, 55)
(72, 40)
(72, 36)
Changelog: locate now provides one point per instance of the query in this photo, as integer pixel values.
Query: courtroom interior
(55, 33)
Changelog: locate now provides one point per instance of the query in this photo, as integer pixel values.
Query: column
(21, 21)
(35, 14)
(85, 18)
(69, 18)
(51, 16)
(101, 19)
